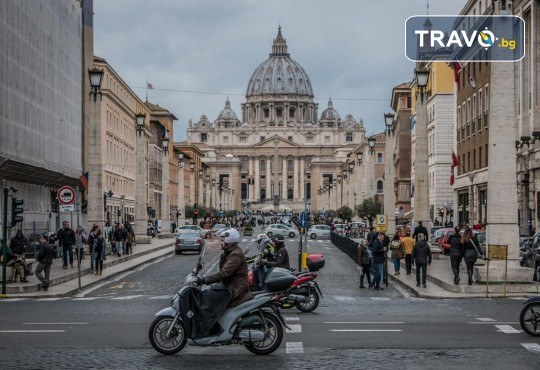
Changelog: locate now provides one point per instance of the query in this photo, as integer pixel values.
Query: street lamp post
(389, 194)
(421, 190)
(165, 186)
(181, 200)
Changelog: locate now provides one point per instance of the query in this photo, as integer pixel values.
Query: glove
(263, 262)
(198, 280)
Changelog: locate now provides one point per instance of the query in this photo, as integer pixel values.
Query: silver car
(202, 232)
(319, 231)
(188, 240)
(275, 229)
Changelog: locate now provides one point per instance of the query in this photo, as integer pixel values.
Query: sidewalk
(65, 281)
(440, 283)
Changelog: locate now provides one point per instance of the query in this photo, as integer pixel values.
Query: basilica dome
(279, 74)
(330, 114)
(227, 114)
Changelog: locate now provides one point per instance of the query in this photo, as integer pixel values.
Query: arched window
(379, 187)
(263, 165)
(290, 194)
(290, 166)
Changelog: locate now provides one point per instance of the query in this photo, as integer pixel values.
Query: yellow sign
(380, 223)
(497, 252)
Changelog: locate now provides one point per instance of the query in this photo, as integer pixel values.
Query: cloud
(350, 49)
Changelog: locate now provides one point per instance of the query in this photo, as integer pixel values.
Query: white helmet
(231, 236)
(260, 238)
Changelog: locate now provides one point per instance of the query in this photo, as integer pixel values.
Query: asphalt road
(107, 327)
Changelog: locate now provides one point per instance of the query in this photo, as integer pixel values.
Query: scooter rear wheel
(312, 302)
(272, 339)
(158, 335)
(529, 319)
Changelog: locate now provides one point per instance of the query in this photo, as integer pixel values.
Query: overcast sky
(350, 49)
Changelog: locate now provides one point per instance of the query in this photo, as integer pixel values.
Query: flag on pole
(149, 86)
(457, 68)
(455, 163)
(84, 180)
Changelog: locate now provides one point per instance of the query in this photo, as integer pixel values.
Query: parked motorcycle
(303, 292)
(529, 318)
(200, 317)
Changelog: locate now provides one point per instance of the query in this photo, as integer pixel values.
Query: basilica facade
(280, 151)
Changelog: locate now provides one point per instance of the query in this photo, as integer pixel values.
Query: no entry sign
(66, 195)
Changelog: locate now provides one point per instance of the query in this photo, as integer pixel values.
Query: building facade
(283, 149)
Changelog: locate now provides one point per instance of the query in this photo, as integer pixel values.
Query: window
(291, 112)
(204, 137)
(290, 165)
(327, 139)
(379, 158)
(266, 112)
(225, 139)
(480, 157)
(486, 97)
(379, 187)
(309, 138)
(279, 113)
(289, 138)
(263, 165)
(243, 139)
(262, 138)
(409, 104)
(348, 136)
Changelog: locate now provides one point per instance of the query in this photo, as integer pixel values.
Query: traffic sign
(380, 223)
(67, 208)
(303, 219)
(66, 195)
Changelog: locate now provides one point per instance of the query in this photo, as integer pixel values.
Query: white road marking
(244, 240)
(380, 298)
(484, 319)
(342, 298)
(50, 299)
(253, 240)
(127, 297)
(531, 347)
(365, 322)
(291, 240)
(492, 323)
(32, 331)
(161, 297)
(403, 292)
(294, 347)
(365, 330)
(12, 299)
(294, 328)
(327, 248)
(291, 318)
(88, 298)
(320, 241)
(507, 329)
(54, 323)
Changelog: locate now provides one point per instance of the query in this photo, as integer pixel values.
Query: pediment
(282, 143)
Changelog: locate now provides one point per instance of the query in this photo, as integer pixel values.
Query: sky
(352, 50)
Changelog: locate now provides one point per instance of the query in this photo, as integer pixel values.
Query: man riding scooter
(268, 250)
(282, 256)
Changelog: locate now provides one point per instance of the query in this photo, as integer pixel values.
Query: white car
(202, 232)
(275, 229)
(319, 231)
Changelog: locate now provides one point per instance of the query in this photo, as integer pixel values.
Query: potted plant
(248, 229)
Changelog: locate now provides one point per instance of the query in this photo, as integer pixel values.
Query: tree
(345, 212)
(368, 209)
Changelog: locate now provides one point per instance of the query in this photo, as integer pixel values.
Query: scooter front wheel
(168, 345)
(529, 319)
(312, 301)
(272, 339)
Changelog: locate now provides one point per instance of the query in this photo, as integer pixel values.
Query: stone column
(141, 163)
(421, 169)
(165, 201)
(192, 187)
(96, 208)
(257, 177)
(268, 179)
(250, 174)
(302, 178)
(389, 195)
(295, 180)
(284, 179)
(502, 200)
(181, 200)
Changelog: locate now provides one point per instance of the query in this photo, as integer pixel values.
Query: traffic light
(119, 213)
(16, 210)
(441, 212)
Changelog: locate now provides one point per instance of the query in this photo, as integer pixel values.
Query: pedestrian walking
(408, 244)
(45, 259)
(456, 253)
(422, 258)
(66, 240)
(420, 230)
(364, 261)
(378, 259)
(99, 250)
(92, 239)
(371, 236)
(397, 252)
(120, 237)
(471, 251)
(130, 239)
(80, 241)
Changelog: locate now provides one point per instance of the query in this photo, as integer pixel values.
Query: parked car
(280, 229)
(188, 240)
(202, 232)
(436, 234)
(218, 228)
(443, 242)
(340, 229)
(319, 231)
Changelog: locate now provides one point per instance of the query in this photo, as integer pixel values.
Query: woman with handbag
(397, 252)
(364, 262)
(471, 251)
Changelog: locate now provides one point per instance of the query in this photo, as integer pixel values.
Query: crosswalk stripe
(380, 298)
(532, 347)
(127, 297)
(507, 329)
(292, 318)
(160, 297)
(12, 299)
(294, 347)
(294, 328)
(50, 299)
(484, 319)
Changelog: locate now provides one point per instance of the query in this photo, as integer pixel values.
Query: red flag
(455, 163)
(84, 180)
(457, 67)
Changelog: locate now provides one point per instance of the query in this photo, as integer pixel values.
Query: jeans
(397, 263)
(423, 267)
(46, 267)
(378, 275)
(408, 263)
(129, 249)
(365, 272)
(92, 262)
(99, 265)
(80, 254)
(67, 249)
(455, 262)
(119, 248)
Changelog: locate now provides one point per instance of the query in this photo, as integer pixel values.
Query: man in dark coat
(66, 240)
(45, 259)
(422, 257)
(420, 229)
(371, 236)
(281, 256)
(456, 253)
(379, 253)
(233, 269)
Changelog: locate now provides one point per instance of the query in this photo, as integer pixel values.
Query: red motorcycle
(303, 292)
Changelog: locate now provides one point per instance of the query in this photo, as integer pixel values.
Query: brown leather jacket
(233, 272)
